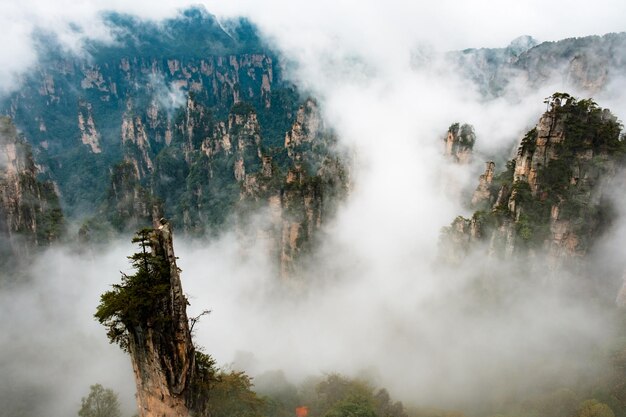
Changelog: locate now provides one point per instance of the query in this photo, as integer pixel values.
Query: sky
(382, 306)
(376, 27)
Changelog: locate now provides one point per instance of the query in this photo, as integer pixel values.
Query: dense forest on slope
(192, 106)
(186, 118)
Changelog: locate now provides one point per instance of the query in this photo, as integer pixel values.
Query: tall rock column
(161, 349)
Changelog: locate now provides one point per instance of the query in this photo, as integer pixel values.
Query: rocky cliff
(459, 142)
(191, 117)
(588, 63)
(147, 316)
(30, 215)
(200, 130)
(551, 202)
(215, 171)
(302, 195)
(83, 115)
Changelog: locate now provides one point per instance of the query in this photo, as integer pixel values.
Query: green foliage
(232, 395)
(338, 396)
(140, 299)
(529, 142)
(242, 108)
(38, 217)
(467, 137)
(586, 126)
(50, 219)
(277, 119)
(566, 179)
(218, 393)
(127, 205)
(464, 133)
(101, 402)
(532, 225)
(353, 407)
(594, 408)
(282, 396)
(504, 178)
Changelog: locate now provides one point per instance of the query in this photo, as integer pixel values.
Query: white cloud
(387, 307)
(373, 28)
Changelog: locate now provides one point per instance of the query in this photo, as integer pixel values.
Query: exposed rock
(589, 63)
(88, 133)
(550, 201)
(136, 143)
(483, 193)
(93, 79)
(307, 128)
(460, 143)
(30, 214)
(210, 132)
(128, 206)
(161, 349)
(302, 199)
(69, 97)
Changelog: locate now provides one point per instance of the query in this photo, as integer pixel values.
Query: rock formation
(124, 103)
(483, 193)
(301, 200)
(30, 214)
(550, 202)
(129, 206)
(588, 63)
(460, 143)
(147, 316)
(207, 134)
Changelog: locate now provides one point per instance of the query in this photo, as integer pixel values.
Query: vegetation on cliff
(552, 194)
(30, 213)
(141, 299)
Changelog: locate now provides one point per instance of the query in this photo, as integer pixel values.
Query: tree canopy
(101, 402)
(139, 298)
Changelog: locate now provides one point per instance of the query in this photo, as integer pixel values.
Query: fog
(371, 300)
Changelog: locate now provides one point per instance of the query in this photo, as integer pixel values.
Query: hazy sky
(378, 27)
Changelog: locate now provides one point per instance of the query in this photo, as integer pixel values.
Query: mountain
(188, 118)
(588, 63)
(30, 214)
(551, 203)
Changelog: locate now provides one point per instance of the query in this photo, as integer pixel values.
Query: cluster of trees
(567, 178)
(233, 394)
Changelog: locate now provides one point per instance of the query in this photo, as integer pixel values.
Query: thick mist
(51, 348)
(372, 299)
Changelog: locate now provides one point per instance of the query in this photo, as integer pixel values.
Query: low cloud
(372, 297)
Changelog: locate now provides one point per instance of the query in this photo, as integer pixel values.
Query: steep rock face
(483, 194)
(206, 131)
(490, 68)
(588, 63)
(458, 149)
(200, 175)
(456, 240)
(129, 206)
(459, 143)
(123, 102)
(307, 129)
(89, 135)
(303, 198)
(162, 353)
(30, 214)
(550, 201)
(136, 142)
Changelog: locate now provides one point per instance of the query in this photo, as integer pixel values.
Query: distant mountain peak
(522, 44)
